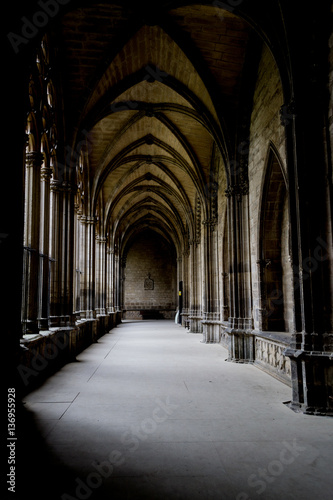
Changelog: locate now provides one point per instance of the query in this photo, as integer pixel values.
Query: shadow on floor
(40, 475)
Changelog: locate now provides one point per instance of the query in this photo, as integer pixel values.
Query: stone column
(66, 204)
(241, 340)
(311, 345)
(186, 287)
(260, 311)
(83, 266)
(122, 278)
(117, 283)
(211, 317)
(225, 301)
(90, 266)
(32, 240)
(110, 280)
(55, 254)
(97, 275)
(77, 262)
(195, 309)
(100, 275)
(45, 263)
(180, 298)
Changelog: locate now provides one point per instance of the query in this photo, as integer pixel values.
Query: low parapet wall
(43, 354)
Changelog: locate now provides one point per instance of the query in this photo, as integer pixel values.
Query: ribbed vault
(149, 113)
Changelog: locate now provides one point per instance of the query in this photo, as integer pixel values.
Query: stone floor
(150, 412)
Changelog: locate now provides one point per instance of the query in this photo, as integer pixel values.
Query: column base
(211, 328)
(309, 410)
(195, 324)
(241, 347)
(312, 381)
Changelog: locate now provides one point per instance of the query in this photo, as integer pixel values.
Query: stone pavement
(150, 412)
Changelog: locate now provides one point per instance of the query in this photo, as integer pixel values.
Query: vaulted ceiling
(156, 92)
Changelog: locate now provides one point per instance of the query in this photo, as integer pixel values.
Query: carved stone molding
(34, 159)
(100, 239)
(240, 189)
(46, 173)
(91, 219)
(55, 185)
(82, 218)
(271, 354)
(210, 222)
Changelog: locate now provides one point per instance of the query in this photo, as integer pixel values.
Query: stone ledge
(300, 353)
(42, 354)
(281, 337)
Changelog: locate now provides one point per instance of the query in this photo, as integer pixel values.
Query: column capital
(91, 219)
(34, 159)
(100, 239)
(55, 185)
(210, 222)
(46, 173)
(240, 189)
(82, 218)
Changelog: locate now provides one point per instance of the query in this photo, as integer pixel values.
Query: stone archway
(150, 274)
(273, 241)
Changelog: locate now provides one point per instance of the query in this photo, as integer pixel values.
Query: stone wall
(265, 131)
(330, 130)
(43, 354)
(270, 358)
(330, 88)
(150, 278)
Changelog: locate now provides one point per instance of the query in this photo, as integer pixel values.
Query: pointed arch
(273, 242)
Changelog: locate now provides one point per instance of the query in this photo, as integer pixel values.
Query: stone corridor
(152, 412)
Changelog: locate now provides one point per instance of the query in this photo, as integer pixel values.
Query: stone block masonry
(150, 278)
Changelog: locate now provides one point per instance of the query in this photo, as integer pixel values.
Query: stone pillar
(110, 280)
(90, 266)
(241, 339)
(311, 345)
(55, 295)
(211, 315)
(122, 279)
(224, 299)
(100, 275)
(260, 311)
(32, 240)
(98, 290)
(180, 293)
(45, 262)
(66, 203)
(195, 309)
(186, 287)
(83, 266)
(117, 283)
